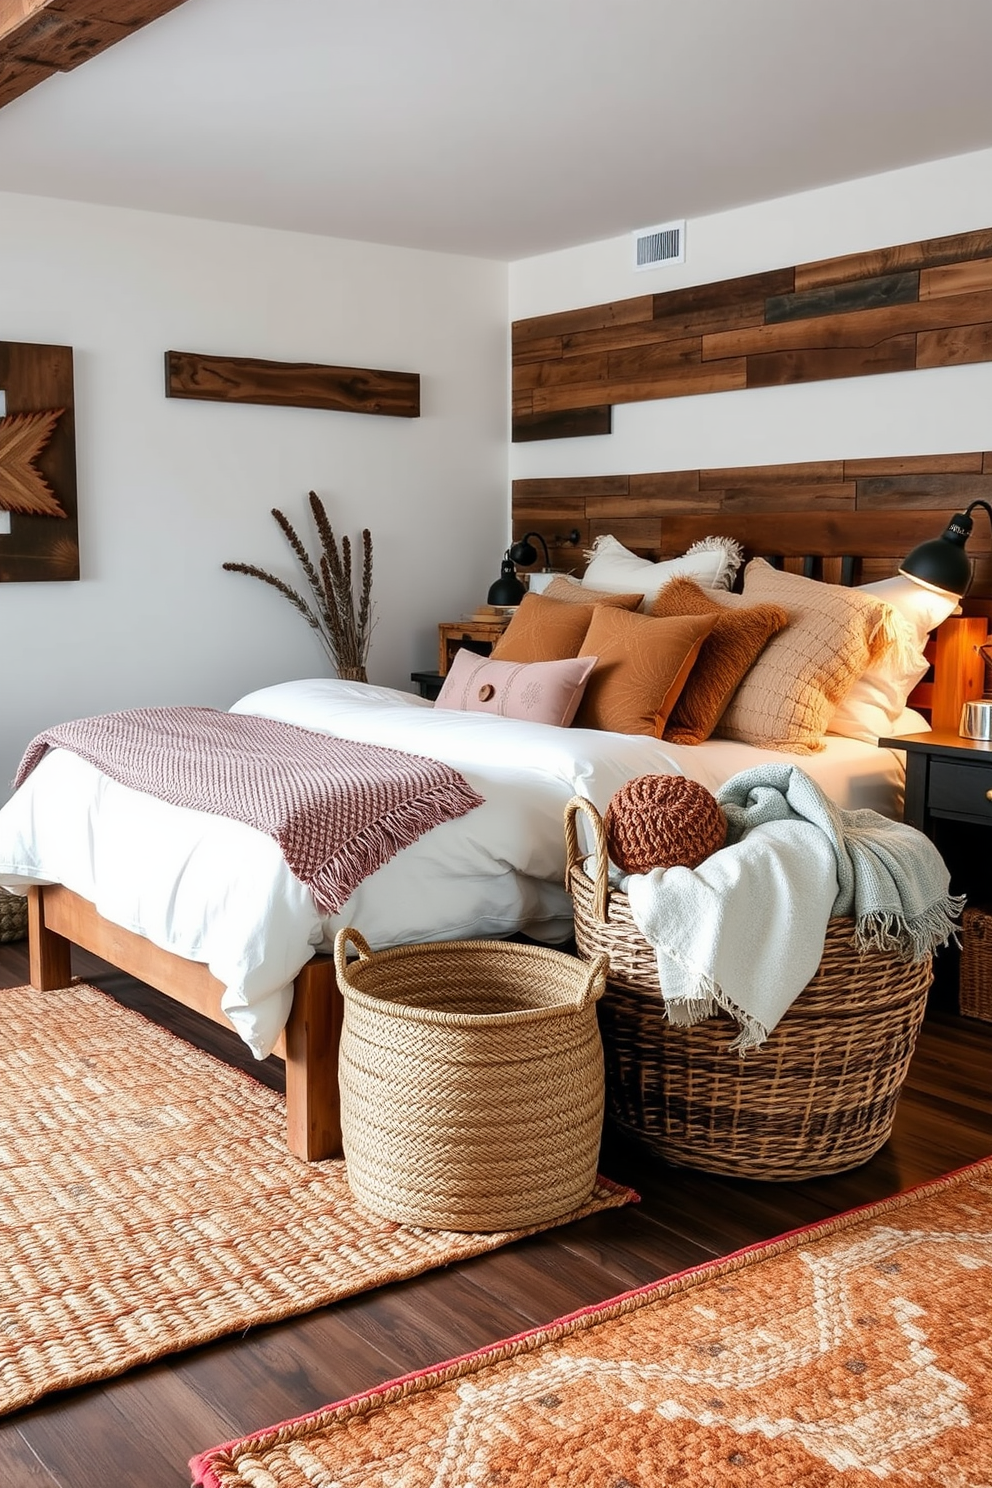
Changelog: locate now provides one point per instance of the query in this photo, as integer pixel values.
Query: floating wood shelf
(222, 379)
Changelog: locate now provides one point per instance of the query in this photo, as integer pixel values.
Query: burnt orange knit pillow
(736, 641)
(543, 630)
(642, 666)
(662, 821)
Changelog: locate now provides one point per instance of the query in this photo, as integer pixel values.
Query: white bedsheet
(216, 891)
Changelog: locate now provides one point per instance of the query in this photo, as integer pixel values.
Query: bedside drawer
(963, 790)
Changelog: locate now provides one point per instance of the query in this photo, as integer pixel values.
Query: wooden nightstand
(477, 635)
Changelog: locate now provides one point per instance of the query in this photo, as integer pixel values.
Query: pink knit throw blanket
(337, 809)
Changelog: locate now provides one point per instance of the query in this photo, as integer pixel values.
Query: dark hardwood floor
(138, 1431)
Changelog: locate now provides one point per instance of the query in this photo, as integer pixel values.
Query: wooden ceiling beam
(41, 37)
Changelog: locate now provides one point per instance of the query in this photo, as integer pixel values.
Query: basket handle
(341, 956)
(573, 857)
(595, 986)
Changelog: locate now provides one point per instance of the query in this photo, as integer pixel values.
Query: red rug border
(205, 1477)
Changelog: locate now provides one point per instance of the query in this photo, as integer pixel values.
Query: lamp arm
(983, 504)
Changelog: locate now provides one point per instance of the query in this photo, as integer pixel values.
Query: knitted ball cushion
(662, 821)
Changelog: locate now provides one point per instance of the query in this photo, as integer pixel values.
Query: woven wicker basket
(975, 977)
(471, 1077)
(818, 1097)
(13, 916)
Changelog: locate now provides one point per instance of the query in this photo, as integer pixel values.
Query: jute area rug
(148, 1202)
(856, 1352)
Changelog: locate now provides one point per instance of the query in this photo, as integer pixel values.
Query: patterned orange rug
(856, 1352)
(148, 1201)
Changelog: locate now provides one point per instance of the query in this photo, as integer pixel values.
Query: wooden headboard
(875, 509)
(844, 521)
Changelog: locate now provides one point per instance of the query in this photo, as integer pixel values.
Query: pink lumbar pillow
(537, 691)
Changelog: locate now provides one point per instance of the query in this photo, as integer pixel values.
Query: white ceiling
(502, 128)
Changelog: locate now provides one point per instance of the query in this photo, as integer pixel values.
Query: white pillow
(713, 562)
(873, 707)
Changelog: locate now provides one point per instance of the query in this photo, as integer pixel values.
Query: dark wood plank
(955, 346)
(820, 496)
(713, 377)
(571, 423)
(723, 292)
(222, 379)
(914, 465)
(798, 473)
(779, 368)
(950, 492)
(836, 299)
(590, 317)
(897, 259)
(956, 278)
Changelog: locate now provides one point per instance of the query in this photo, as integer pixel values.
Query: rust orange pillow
(543, 630)
(643, 664)
(733, 645)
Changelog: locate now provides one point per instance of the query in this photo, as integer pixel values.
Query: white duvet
(216, 891)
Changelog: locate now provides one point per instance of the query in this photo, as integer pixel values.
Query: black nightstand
(428, 683)
(948, 778)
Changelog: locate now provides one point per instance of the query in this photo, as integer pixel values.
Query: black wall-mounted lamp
(524, 552)
(507, 590)
(942, 563)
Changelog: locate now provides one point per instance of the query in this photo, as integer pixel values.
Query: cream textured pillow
(713, 562)
(567, 591)
(538, 691)
(787, 698)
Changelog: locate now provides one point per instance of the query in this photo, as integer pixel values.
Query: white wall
(170, 489)
(940, 410)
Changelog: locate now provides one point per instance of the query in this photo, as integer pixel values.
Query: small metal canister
(976, 720)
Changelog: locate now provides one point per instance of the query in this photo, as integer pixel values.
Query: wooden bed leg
(313, 1032)
(49, 954)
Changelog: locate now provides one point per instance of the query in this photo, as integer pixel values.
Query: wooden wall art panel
(223, 379)
(41, 37)
(38, 464)
(925, 304)
(876, 510)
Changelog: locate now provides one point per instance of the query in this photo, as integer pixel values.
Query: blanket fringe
(912, 939)
(337, 879)
(708, 998)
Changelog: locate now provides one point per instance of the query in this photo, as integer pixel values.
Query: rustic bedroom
(496, 743)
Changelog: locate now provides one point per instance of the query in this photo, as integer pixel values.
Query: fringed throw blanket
(745, 930)
(338, 810)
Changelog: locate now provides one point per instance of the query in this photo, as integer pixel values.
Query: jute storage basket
(13, 916)
(975, 976)
(818, 1097)
(471, 1076)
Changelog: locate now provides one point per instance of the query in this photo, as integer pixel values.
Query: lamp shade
(524, 552)
(942, 563)
(507, 590)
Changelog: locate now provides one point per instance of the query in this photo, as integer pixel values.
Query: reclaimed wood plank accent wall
(224, 379)
(926, 304)
(874, 509)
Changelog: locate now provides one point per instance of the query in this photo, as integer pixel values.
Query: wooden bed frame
(58, 918)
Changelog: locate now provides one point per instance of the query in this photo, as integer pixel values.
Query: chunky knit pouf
(662, 821)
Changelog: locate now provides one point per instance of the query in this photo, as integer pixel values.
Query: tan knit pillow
(737, 639)
(568, 593)
(543, 630)
(642, 666)
(788, 696)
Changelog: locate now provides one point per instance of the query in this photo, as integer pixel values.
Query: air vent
(659, 245)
